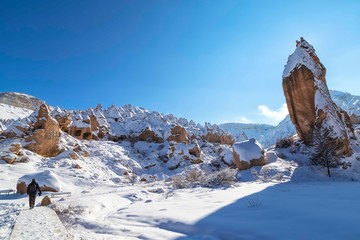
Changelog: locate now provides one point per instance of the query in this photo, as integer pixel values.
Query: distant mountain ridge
(20, 100)
(115, 122)
(15, 105)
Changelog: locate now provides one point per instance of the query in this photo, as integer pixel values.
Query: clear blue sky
(212, 61)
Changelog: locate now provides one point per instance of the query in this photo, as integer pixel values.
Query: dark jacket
(33, 185)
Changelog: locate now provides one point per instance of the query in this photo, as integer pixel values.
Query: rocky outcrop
(248, 153)
(309, 102)
(13, 153)
(354, 119)
(179, 135)
(149, 135)
(17, 129)
(216, 138)
(195, 150)
(64, 120)
(80, 126)
(44, 139)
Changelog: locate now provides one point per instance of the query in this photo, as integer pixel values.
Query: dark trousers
(32, 198)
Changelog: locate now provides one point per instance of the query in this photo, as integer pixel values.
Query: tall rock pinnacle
(309, 102)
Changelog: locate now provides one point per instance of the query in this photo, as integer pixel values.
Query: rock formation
(179, 135)
(45, 201)
(47, 181)
(80, 126)
(308, 100)
(195, 150)
(149, 135)
(44, 139)
(222, 139)
(248, 153)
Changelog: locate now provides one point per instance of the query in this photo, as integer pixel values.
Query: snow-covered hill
(20, 100)
(267, 135)
(8, 112)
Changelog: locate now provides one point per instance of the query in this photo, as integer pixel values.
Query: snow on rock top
(304, 55)
(248, 149)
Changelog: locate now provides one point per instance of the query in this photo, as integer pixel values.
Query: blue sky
(214, 61)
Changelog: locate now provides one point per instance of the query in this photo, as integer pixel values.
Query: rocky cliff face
(308, 99)
(44, 136)
(20, 100)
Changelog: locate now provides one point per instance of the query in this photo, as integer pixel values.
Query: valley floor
(306, 210)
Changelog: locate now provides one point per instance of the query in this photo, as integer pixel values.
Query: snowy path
(39, 223)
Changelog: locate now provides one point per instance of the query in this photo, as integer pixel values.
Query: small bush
(132, 178)
(284, 143)
(196, 178)
(193, 176)
(223, 177)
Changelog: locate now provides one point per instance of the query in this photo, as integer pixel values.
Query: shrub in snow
(284, 143)
(132, 178)
(196, 178)
(223, 177)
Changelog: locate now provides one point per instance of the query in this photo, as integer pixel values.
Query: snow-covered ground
(291, 204)
(285, 199)
(39, 223)
(310, 210)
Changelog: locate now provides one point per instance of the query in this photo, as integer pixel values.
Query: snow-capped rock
(47, 181)
(248, 153)
(267, 135)
(309, 102)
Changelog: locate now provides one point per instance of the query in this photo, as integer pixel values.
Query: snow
(105, 205)
(46, 178)
(39, 223)
(248, 150)
(285, 199)
(301, 57)
(10, 112)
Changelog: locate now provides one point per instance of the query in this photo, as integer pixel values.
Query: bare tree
(325, 150)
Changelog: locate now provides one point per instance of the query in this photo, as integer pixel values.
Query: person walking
(32, 189)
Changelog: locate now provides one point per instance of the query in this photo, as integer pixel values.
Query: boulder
(12, 153)
(47, 181)
(44, 140)
(73, 155)
(21, 187)
(179, 135)
(46, 201)
(248, 153)
(195, 150)
(308, 100)
(149, 135)
(15, 148)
